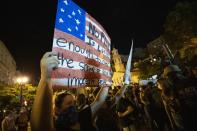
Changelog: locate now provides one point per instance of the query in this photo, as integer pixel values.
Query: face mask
(67, 118)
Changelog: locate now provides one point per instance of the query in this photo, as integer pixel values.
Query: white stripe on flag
(84, 67)
(76, 81)
(71, 48)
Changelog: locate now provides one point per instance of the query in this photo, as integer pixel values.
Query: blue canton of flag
(70, 19)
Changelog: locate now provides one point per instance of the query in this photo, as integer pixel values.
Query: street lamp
(25, 80)
(21, 81)
(25, 103)
(18, 80)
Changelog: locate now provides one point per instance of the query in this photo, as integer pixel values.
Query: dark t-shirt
(85, 119)
(122, 106)
(107, 120)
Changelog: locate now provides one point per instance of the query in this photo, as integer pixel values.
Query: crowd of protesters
(170, 104)
(13, 120)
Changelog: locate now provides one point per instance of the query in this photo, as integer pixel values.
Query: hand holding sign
(48, 62)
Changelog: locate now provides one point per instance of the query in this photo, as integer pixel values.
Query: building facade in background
(7, 66)
(117, 61)
(118, 67)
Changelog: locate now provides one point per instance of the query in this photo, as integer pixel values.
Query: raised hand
(48, 63)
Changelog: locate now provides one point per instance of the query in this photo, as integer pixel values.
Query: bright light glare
(19, 80)
(25, 102)
(22, 80)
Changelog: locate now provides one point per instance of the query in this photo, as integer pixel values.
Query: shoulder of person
(85, 109)
(3, 121)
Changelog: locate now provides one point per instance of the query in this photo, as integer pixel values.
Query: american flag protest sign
(83, 48)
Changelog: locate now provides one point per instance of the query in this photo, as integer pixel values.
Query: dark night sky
(27, 27)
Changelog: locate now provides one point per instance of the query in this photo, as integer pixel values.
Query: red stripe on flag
(70, 73)
(78, 42)
(76, 57)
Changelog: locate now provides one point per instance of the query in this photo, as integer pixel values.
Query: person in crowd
(91, 96)
(145, 94)
(141, 117)
(171, 104)
(142, 105)
(180, 98)
(81, 102)
(106, 118)
(22, 120)
(158, 111)
(124, 110)
(67, 117)
(8, 123)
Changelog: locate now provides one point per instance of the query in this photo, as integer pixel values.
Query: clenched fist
(48, 63)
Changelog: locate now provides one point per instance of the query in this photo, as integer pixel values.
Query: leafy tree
(148, 69)
(181, 25)
(10, 96)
